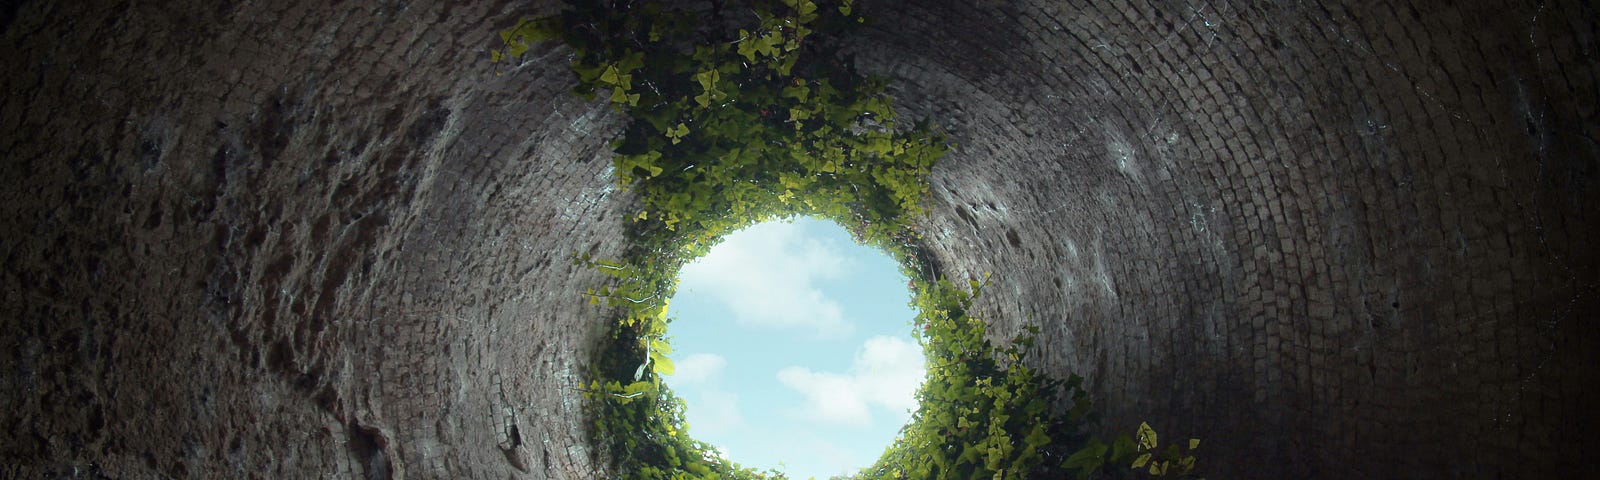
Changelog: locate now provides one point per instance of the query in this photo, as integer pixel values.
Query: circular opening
(794, 350)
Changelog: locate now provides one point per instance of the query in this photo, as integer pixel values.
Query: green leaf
(1194, 443)
(636, 388)
(630, 62)
(664, 365)
(677, 133)
(661, 346)
(1123, 449)
(1090, 457)
(1147, 436)
(797, 92)
(1141, 461)
(747, 47)
(1036, 438)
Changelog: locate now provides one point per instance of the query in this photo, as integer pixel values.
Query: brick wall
(1335, 241)
(294, 240)
(303, 239)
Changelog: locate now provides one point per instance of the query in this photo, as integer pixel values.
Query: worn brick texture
(302, 239)
(294, 240)
(1334, 241)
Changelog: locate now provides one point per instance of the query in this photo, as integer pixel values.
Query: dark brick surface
(293, 240)
(1335, 241)
(307, 239)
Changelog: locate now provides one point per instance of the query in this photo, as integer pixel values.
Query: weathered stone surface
(305, 239)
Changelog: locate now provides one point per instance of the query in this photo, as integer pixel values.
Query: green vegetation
(745, 114)
(984, 414)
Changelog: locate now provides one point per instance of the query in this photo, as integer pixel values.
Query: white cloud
(830, 397)
(698, 368)
(767, 274)
(714, 412)
(886, 373)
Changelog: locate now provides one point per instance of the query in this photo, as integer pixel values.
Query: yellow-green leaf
(664, 365)
(660, 346)
(1141, 461)
(1147, 436)
(1194, 443)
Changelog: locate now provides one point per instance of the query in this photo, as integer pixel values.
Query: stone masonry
(300, 239)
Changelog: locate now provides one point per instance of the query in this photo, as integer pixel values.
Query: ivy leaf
(664, 365)
(1141, 461)
(1037, 438)
(1089, 458)
(798, 92)
(637, 388)
(1147, 436)
(1122, 449)
(747, 47)
(1186, 464)
(632, 61)
(619, 95)
(586, 74)
(662, 346)
(677, 133)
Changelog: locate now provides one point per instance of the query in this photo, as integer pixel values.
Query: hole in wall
(793, 349)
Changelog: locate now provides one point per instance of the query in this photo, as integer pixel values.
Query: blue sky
(793, 349)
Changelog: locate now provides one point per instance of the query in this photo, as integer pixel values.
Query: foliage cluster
(745, 114)
(1144, 456)
(740, 115)
(984, 414)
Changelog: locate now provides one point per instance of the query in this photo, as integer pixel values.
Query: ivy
(745, 113)
(984, 413)
(736, 123)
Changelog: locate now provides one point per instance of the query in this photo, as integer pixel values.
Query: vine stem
(618, 395)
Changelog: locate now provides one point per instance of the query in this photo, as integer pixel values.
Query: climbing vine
(740, 115)
(984, 414)
(746, 113)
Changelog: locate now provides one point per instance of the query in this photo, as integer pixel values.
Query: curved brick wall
(290, 239)
(1334, 241)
